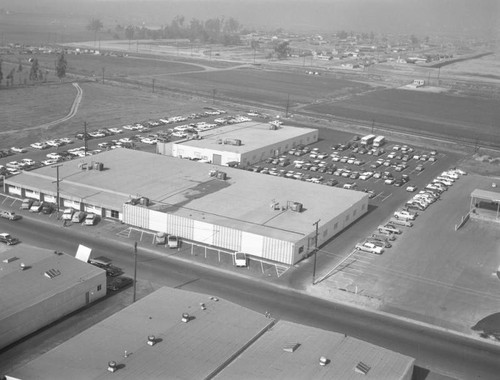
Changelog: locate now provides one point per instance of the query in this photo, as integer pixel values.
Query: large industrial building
(266, 217)
(177, 334)
(39, 287)
(245, 143)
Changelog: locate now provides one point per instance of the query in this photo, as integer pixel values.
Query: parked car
(78, 217)
(18, 150)
(10, 215)
(68, 214)
(173, 241)
(90, 219)
(39, 145)
(8, 239)
(47, 208)
(36, 206)
(26, 205)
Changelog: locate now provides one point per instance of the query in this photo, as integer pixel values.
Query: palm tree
(95, 25)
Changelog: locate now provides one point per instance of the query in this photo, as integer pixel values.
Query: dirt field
(427, 113)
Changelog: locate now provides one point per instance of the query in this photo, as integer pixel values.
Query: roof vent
(112, 366)
(214, 298)
(202, 306)
(185, 317)
(362, 368)
(24, 266)
(323, 361)
(291, 347)
(51, 273)
(10, 259)
(151, 340)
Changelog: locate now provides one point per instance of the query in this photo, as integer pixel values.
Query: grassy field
(429, 113)
(101, 106)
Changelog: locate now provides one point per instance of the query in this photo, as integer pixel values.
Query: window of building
(286, 147)
(335, 226)
(363, 206)
(346, 218)
(354, 213)
(99, 288)
(301, 249)
(325, 232)
(115, 214)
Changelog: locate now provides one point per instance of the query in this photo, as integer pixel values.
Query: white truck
(240, 259)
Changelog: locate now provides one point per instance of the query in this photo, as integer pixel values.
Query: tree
(20, 67)
(10, 76)
(282, 49)
(95, 25)
(34, 71)
(342, 34)
(414, 40)
(61, 65)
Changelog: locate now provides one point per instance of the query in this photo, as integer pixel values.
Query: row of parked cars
(381, 239)
(433, 190)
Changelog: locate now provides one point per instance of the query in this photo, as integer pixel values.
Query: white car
(148, 140)
(28, 161)
(369, 247)
(49, 162)
(97, 134)
(179, 134)
(129, 127)
(54, 156)
(411, 188)
(405, 215)
(125, 140)
(39, 145)
(115, 130)
(18, 150)
(389, 181)
(66, 140)
(53, 143)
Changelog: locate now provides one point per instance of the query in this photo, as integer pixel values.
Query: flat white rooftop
(267, 358)
(24, 288)
(184, 188)
(253, 135)
(192, 350)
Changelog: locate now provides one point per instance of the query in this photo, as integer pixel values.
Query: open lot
(433, 273)
(422, 113)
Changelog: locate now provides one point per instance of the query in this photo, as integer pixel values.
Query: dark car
(117, 283)
(47, 208)
(8, 239)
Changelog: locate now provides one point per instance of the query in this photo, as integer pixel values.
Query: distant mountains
(419, 17)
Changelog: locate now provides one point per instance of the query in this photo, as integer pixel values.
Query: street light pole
(135, 270)
(57, 187)
(315, 251)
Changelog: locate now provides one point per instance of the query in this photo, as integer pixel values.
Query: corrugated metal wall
(278, 250)
(229, 238)
(203, 232)
(180, 226)
(136, 216)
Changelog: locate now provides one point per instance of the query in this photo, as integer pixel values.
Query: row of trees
(36, 74)
(217, 30)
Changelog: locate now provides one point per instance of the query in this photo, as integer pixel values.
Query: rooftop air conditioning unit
(144, 201)
(297, 207)
(222, 175)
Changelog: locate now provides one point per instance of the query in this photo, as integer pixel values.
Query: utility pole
(57, 187)
(135, 270)
(315, 250)
(85, 137)
(287, 106)
(213, 95)
(103, 75)
(153, 85)
(373, 125)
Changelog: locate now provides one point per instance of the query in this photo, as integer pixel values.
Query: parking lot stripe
(386, 197)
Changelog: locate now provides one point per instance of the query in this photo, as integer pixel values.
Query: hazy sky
(422, 17)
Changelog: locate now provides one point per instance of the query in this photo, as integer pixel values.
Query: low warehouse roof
(183, 187)
(252, 135)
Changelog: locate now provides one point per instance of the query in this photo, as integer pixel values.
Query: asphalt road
(440, 352)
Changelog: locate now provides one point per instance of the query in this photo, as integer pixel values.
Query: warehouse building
(244, 144)
(177, 334)
(266, 217)
(40, 287)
